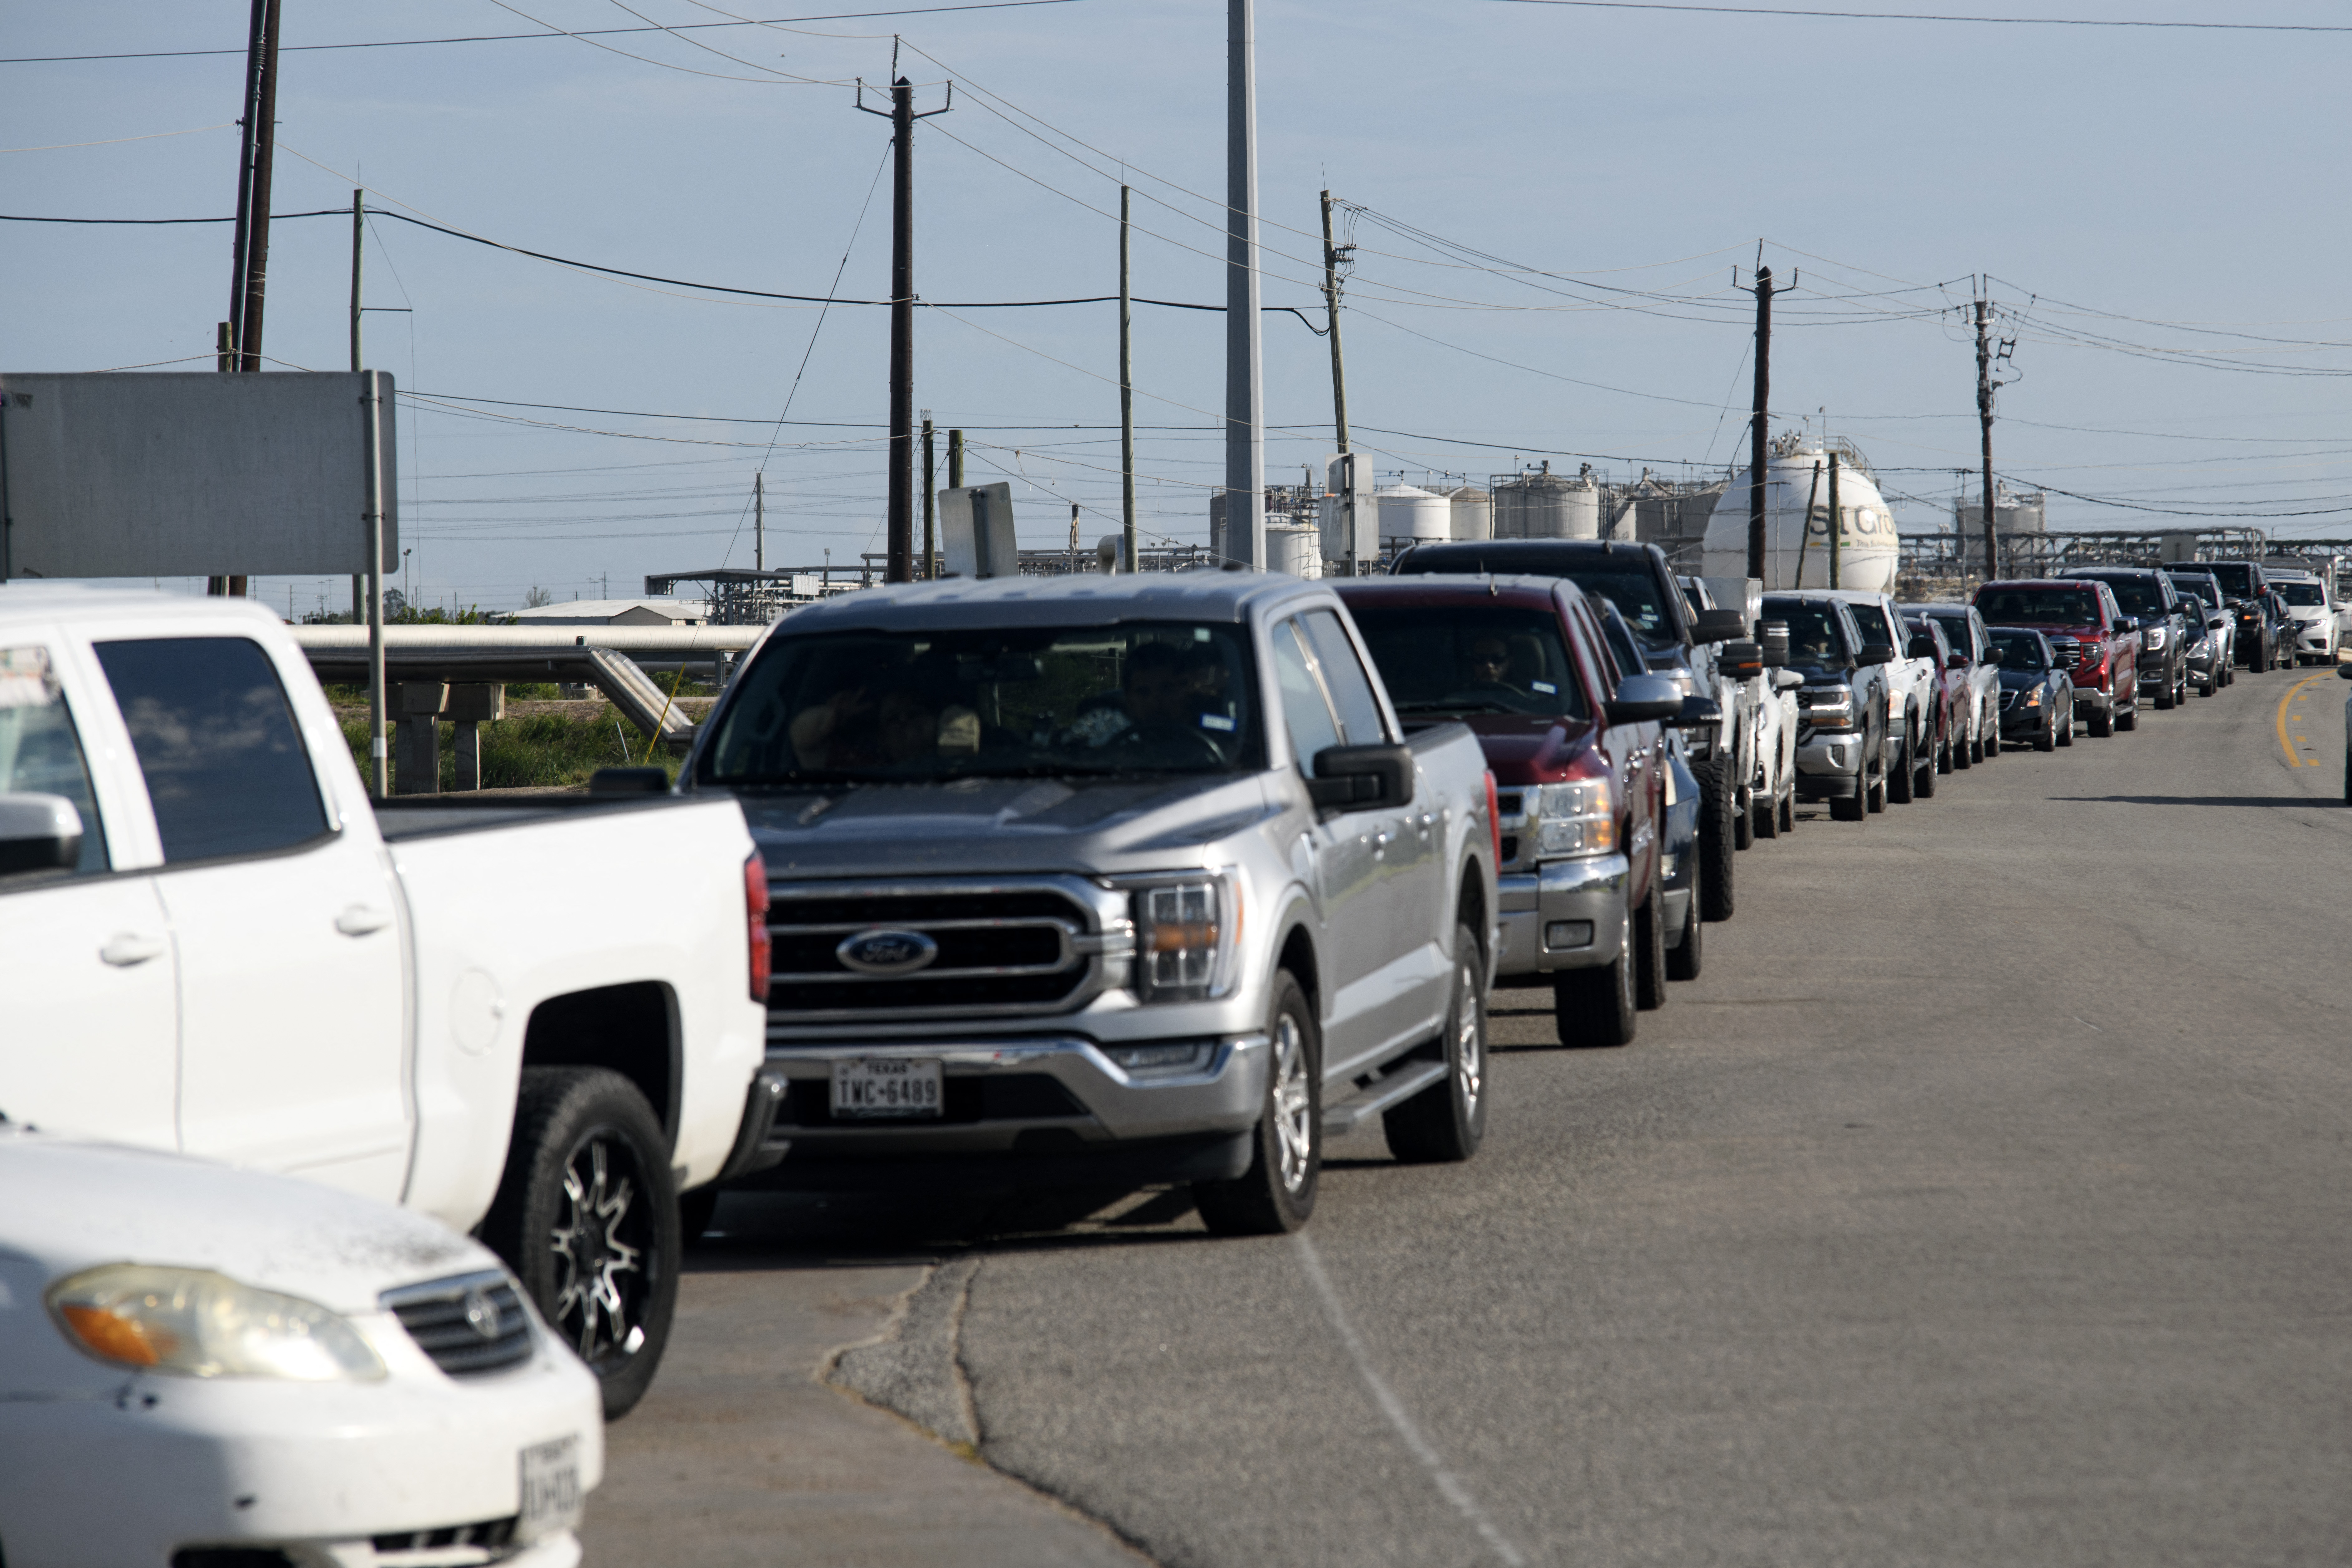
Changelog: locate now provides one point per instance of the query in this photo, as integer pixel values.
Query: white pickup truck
(533, 1020)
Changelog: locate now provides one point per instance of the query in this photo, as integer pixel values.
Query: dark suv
(2247, 587)
(2148, 596)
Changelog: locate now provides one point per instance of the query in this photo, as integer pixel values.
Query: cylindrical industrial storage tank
(1545, 506)
(1408, 512)
(1295, 548)
(1473, 513)
(1797, 526)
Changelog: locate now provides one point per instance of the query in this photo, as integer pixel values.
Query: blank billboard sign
(196, 475)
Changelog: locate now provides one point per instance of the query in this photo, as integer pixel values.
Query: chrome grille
(998, 948)
(470, 1324)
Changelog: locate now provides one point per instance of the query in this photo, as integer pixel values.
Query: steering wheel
(1170, 740)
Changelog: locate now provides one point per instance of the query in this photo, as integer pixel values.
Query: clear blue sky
(2179, 180)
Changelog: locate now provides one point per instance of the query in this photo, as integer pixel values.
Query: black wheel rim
(604, 1253)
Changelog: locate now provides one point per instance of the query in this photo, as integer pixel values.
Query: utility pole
(899, 564)
(955, 459)
(1760, 435)
(1332, 257)
(931, 500)
(758, 522)
(1984, 421)
(249, 121)
(1126, 397)
(1837, 522)
(263, 135)
(1245, 378)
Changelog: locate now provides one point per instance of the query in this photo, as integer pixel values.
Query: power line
(508, 38)
(1928, 16)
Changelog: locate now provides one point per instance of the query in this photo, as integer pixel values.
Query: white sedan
(194, 1356)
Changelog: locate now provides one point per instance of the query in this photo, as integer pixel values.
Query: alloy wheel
(1294, 1106)
(599, 1242)
(1469, 1039)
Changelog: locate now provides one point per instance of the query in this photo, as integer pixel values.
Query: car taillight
(755, 918)
(1494, 822)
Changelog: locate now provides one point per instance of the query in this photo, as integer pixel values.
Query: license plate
(551, 1488)
(886, 1085)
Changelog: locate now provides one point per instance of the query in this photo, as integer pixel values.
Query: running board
(1409, 1079)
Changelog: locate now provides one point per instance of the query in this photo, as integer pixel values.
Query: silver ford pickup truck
(1100, 881)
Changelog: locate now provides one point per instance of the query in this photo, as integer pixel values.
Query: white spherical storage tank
(1408, 512)
(1797, 526)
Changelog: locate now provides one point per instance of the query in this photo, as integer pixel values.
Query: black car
(2037, 699)
(2221, 620)
(2244, 581)
(2148, 596)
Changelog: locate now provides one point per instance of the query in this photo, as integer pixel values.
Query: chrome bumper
(2090, 700)
(1586, 896)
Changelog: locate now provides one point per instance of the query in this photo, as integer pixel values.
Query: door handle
(127, 948)
(361, 918)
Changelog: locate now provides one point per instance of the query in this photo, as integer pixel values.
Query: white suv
(2311, 603)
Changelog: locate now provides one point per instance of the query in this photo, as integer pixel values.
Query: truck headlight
(202, 1325)
(1577, 818)
(1828, 706)
(2155, 639)
(1184, 937)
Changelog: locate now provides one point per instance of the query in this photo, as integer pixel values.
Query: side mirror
(1698, 713)
(1772, 636)
(2216, 623)
(1718, 625)
(1919, 647)
(2128, 623)
(38, 832)
(1789, 679)
(1355, 778)
(1643, 698)
(1875, 653)
(1739, 661)
(1956, 661)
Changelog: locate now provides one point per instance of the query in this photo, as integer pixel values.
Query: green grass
(546, 751)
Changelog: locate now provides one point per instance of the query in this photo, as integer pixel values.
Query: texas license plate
(551, 1488)
(886, 1085)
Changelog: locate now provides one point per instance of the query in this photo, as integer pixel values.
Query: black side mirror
(1718, 625)
(1740, 661)
(1356, 778)
(38, 832)
(1956, 661)
(1700, 711)
(1646, 699)
(1919, 647)
(2128, 623)
(1772, 637)
(1876, 653)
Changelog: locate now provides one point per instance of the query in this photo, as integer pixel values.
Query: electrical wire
(1929, 16)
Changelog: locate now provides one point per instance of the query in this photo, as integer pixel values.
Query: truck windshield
(2138, 595)
(2236, 577)
(1143, 697)
(1814, 632)
(2197, 587)
(1468, 658)
(2305, 594)
(1634, 592)
(2040, 607)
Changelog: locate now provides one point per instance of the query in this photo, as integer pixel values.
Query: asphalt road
(1985, 1201)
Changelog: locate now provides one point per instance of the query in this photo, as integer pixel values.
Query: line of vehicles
(1015, 883)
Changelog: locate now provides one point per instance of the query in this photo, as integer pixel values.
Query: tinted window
(1815, 632)
(1958, 633)
(2306, 594)
(1016, 701)
(2200, 588)
(2236, 577)
(1625, 579)
(1620, 641)
(1452, 659)
(226, 769)
(1877, 626)
(2140, 597)
(39, 751)
(2019, 650)
(1344, 677)
(1303, 708)
(2040, 607)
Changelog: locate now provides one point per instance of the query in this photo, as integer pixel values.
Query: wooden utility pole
(1984, 422)
(1126, 397)
(1332, 256)
(758, 522)
(1760, 434)
(249, 121)
(263, 135)
(931, 500)
(1245, 490)
(899, 561)
(1837, 523)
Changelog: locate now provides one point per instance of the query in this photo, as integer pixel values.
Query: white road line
(1311, 1263)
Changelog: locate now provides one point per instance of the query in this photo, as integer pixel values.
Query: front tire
(1715, 865)
(588, 1220)
(1446, 1121)
(1596, 1006)
(1684, 963)
(2129, 720)
(1902, 781)
(1846, 808)
(2048, 740)
(1276, 1193)
(1650, 951)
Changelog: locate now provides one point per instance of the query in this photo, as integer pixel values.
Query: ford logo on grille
(886, 952)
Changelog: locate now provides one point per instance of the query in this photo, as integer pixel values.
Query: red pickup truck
(2106, 663)
(1524, 662)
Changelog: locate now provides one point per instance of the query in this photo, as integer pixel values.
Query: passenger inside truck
(1465, 658)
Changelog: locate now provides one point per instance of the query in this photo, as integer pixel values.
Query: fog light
(1161, 1055)
(1568, 933)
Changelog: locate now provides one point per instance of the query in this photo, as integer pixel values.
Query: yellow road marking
(2285, 745)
